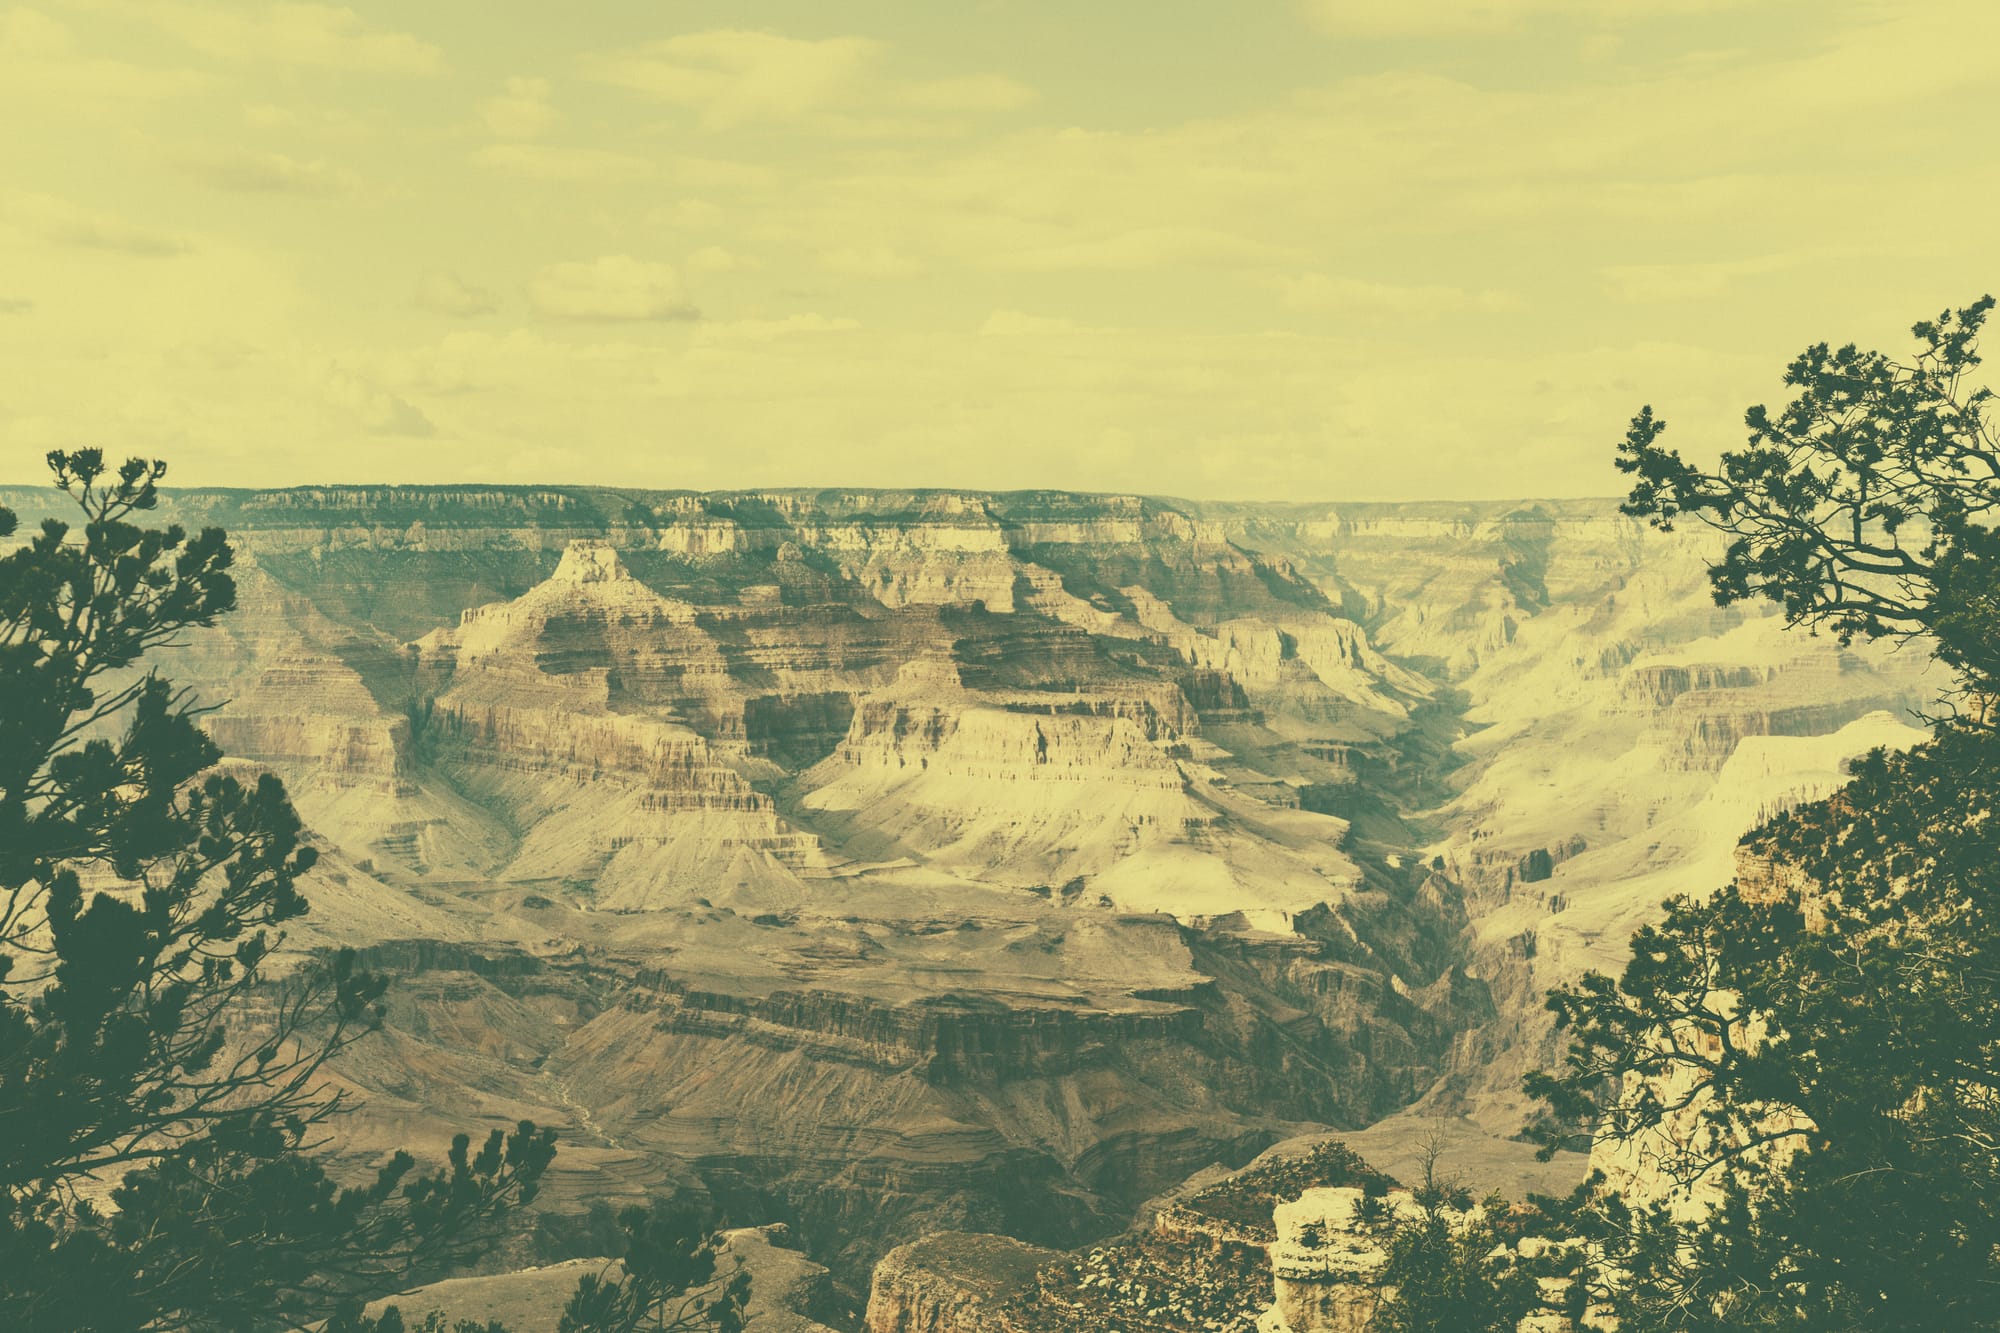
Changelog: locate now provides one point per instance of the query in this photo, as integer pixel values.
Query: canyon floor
(885, 865)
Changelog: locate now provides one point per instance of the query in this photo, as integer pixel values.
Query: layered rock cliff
(888, 862)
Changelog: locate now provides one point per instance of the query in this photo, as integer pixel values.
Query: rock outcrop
(1329, 1262)
(953, 1283)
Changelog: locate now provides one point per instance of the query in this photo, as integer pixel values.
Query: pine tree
(159, 1085)
(667, 1280)
(1452, 1268)
(1827, 1059)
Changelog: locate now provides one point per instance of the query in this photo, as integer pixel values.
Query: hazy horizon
(169, 490)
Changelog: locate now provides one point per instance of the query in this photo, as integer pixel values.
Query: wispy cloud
(269, 173)
(765, 330)
(870, 261)
(380, 411)
(547, 162)
(717, 259)
(1433, 18)
(1333, 294)
(1147, 248)
(40, 59)
(611, 288)
(446, 293)
(62, 222)
(522, 111)
(734, 77)
(1256, 276)
(312, 35)
(970, 92)
(1021, 324)
(1651, 284)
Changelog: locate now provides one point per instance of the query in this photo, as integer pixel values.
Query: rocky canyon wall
(893, 863)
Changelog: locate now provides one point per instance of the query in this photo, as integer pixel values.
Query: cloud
(350, 123)
(15, 305)
(1397, 163)
(1146, 248)
(1653, 284)
(521, 112)
(313, 35)
(39, 61)
(1020, 324)
(721, 174)
(543, 162)
(734, 77)
(1122, 255)
(970, 92)
(614, 287)
(29, 32)
(869, 261)
(379, 410)
(61, 222)
(715, 259)
(1354, 296)
(1439, 18)
(448, 294)
(270, 173)
(686, 215)
(765, 330)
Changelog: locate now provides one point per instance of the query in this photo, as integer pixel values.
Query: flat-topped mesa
(1650, 686)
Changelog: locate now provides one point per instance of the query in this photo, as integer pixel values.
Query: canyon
(943, 876)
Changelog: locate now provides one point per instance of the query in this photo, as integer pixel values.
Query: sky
(1244, 249)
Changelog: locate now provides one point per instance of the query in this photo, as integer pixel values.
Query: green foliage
(1874, 1081)
(1450, 1281)
(667, 1280)
(1146, 1284)
(1451, 1269)
(1865, 505)
(1822, 1054)
(1247, 1198)
(158, 1090)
